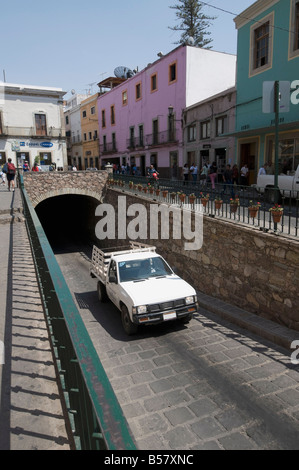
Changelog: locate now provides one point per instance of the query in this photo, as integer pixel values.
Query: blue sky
(71, 44)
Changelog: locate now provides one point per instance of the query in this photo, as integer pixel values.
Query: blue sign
(46, 144)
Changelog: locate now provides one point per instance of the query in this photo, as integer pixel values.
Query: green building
(268, 51)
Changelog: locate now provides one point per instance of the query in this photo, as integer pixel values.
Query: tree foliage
(193, 23)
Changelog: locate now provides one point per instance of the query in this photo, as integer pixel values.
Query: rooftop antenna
(4, 79)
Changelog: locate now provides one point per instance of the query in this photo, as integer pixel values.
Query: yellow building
(90, 133)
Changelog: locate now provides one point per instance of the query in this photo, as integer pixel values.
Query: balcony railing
(108, 148)
(11, 131)
(135, 142)
(160, 138)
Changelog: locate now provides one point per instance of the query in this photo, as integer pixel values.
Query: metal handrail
(94, 417)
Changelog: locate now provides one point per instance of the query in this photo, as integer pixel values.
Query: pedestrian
(235, 175)
(204, 174)
(26, 166)
(35, 167)
(193, 171)
(3, 176)
(228, 180)
(213, 174)
(263, 170)
(244, 175)
(186, 172)
(11, 173)
(270, 169)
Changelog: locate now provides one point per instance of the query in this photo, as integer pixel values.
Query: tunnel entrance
(68, 220)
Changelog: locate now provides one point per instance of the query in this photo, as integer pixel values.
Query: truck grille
(166, 306)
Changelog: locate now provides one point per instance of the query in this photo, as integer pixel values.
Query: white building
(32, 125)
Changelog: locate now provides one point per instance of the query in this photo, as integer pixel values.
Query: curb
(267, 329)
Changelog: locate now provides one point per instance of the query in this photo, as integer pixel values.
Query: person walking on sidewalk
(11, 173)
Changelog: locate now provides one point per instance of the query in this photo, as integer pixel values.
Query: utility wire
(245, 17)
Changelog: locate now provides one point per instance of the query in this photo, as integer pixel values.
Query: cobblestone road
(208, 385)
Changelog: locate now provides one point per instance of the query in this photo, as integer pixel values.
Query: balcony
(135, 143)
(160, 138)
(32, 132)
(108, 148)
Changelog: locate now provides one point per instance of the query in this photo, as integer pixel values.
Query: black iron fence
(240, 204)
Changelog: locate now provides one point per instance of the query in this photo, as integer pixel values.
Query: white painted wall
(208, 73)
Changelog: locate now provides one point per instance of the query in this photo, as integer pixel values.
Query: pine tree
(193, 23)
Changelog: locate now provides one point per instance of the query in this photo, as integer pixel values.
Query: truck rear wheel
(102, 294)
(129, 327)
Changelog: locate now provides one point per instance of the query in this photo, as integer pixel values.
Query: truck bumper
(186, 313)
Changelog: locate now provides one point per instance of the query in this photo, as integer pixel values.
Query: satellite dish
(123, 72)
(73, 92)
(190, 41)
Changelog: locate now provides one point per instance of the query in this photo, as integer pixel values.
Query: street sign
(269, 97)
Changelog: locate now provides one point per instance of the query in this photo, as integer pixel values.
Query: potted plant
(131, 184)
(253, 208)
(164, 192)
(144, 189)
(277, 212)
(139, 187)
(182, 196)
(157, 191)
(204, 199)
(150, 188)
(218, 203)
(173, 195)
(192, 198)
(234, 204)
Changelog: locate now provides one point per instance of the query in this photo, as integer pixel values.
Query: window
(132, 137)
(66, 120)
(103, 118)
(95, 135)
(125, 98)
(261, 45)
(1, 130)
(141, 135)
(172, 73)
(205, 129)
(112, 115)
(92, 110)
(113, 142)
(104, 143)
(85, 137)
(155, 131)
(154, 84)
(221, 125)
(138, 91)
(294, 30)
(84, 114)
(89, 135)
(191, 133)
(40, 124)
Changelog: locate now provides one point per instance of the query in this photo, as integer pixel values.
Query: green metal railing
(94, 418)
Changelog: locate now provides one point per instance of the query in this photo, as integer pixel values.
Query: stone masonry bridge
(45, 185)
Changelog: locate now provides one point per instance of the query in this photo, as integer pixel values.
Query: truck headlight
(189, 300)
(139, 310)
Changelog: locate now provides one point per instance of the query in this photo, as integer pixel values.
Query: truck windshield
(137, 269)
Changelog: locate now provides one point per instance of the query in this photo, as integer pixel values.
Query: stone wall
(43, 185)
(245, 267)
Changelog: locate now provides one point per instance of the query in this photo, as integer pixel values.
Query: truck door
(112, 283)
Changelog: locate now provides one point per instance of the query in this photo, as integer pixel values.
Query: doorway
(248, 154)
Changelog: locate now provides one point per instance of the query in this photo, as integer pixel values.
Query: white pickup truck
(142, 286)
(288, 185)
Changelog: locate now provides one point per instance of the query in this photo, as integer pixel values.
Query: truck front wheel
(129, 327)
(102, 294)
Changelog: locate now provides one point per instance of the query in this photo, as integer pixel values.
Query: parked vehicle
(142, 286)
(288, 185)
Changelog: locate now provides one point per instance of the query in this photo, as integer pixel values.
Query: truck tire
(102, 294)
(270, 195)
(129, 327)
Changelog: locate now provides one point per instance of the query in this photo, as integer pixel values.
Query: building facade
(90, 132)
(208, 126)
(141, 119)
(32, 125)
(72, 116)
(268, 51)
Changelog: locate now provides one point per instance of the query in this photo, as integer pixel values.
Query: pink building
(141, 118)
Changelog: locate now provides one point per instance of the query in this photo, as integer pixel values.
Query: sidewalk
(31, 417)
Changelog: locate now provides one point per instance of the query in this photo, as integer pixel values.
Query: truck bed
(101, 257)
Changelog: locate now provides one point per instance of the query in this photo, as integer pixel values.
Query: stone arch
(67, 191)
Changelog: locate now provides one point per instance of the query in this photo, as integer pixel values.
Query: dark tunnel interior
(68, 220)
